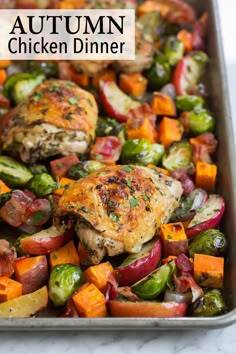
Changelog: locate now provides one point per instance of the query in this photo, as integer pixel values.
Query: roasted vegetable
(38, 169)
(108, 127)
(25, 305)
(174, 50)
(64, 280)
(42, 184)
(24, 86)
(47, 68)
(12, 80)
(179, 155)
(159, 72)
(141, 152)
(200, 121)
(211, 242)
(188, 72)
(155, 283)
(211, 304)
(189, 102)
(83, 169)
(14, 173)
(208, 270)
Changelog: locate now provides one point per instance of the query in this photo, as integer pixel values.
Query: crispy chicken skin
(57, 118)
(118, 208)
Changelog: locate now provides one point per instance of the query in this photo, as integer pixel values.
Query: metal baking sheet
(219, 104)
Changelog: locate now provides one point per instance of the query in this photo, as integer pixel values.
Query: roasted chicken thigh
(118, 208)
(57, 118)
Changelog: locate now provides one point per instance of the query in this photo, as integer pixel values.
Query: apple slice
(137, 266)
(25, 305)
(188, 72)
(208, 216)
(116, 103)
(147, 309)
(46, 241)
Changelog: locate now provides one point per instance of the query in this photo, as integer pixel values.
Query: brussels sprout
(200, 121)
(189, 103)
(211, 242)
(83, 169)
(38, 169)
(108, 126)
(49, 69)
(141, 152)
(174, 50)
(148, 23)
(179, 155)
(42, 184)
(200, 57)
(155, 283)
(159, 73)
(64, 281)
(211, 304)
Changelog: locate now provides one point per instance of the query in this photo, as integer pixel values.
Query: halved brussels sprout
(141, 152)
(42, 184)
(211, 304)
(211, 242)
(159, 73)
(64, 281)
(83, 169)
(200, 121)
(155, 283)
(179, 155)
(189, 102)
(174, 50)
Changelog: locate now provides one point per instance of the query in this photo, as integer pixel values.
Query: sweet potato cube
(174, 239)
(139, 129)
(134, 84)
(90, 302)
(31, 272)
(9, 289)
(103, 76)
(169, 130)
(163, 105)
(64, 254)
(208, 270)
(64, 184)
(99, 275)
(205, 176)
(4, 188)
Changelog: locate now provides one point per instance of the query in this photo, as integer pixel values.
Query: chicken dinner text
(18, 45)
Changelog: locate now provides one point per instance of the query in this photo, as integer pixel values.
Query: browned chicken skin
(57, 118)
(119, 208)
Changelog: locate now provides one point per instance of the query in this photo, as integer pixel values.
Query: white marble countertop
(221, 341)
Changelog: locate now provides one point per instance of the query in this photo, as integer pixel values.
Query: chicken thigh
(57, 118)
(118, 208)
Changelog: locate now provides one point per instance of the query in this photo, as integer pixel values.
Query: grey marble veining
(222, 341)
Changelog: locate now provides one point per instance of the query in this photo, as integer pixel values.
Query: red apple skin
(39, 244)
(147, 309)
(33, 278)
(211, 223)
(141, 267)
(109, 93)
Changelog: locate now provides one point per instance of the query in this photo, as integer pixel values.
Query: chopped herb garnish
(90, 102)
(37, 95)
(54, 257)
(73, 100)
(84, 209)
(98, 156)
(169, 237)
(114, 217)
(67, 117)
(101, 173)
(127, 168)
(147, 207)
(60, 165)
(133, 202)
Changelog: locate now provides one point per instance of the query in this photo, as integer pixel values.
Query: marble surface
(222, 341)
